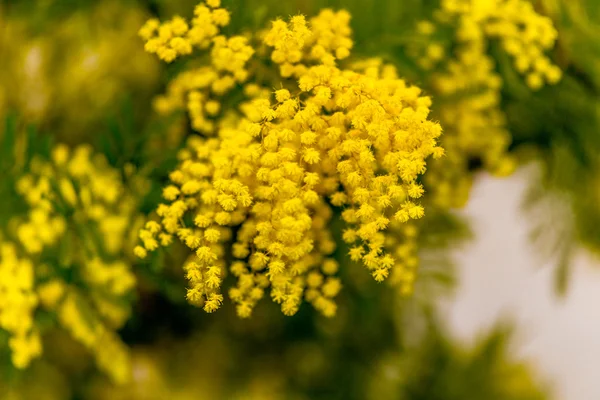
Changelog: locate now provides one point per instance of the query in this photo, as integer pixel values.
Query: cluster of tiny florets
(77, 225)
(522, 32)
(277, 166)
(464, 78)
(176, 37)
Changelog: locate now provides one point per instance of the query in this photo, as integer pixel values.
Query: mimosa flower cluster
(65, 257)
(467, 86)
(254, 196)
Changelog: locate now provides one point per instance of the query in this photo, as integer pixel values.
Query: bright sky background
(500, 277)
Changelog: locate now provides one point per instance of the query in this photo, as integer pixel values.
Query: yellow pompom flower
(271, 171)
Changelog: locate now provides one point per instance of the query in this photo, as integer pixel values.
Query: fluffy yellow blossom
(349, 139)
(176, 37)
(74, 198)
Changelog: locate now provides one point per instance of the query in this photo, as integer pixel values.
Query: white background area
(501, 278)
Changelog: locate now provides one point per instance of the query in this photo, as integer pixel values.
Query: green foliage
(442, 370)
(559, 127)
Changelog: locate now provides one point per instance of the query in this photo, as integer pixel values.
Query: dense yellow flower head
(66, 256)
(350, 139)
